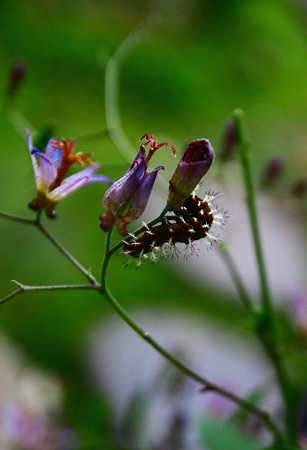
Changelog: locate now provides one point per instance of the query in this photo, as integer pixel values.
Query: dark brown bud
(299, 188)
(16, 76)
(229, 141)
(272, 171)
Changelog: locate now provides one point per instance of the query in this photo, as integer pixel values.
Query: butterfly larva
(190, 224)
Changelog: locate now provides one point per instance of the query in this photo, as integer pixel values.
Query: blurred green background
(200, 61)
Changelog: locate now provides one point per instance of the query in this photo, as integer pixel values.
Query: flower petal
(55, 154)
(33, 159)
(83, 173)
(123, 189)
(46, 172)
(139, 202)
(77, 181)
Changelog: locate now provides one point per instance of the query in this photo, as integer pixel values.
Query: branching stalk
(208, 386)
(242, 292)
(244, 153)
(23, 288)
(37, 223)
(267, 332)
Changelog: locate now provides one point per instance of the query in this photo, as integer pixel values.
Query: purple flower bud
(272, 171)
(16, 76)
(193, 165)
(229, 140)
(299, 188)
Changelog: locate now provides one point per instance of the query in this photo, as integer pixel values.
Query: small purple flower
(133, 188)
(193, 165)
(50, 174)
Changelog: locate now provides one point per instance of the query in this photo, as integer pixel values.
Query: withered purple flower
(193, 165)
(133, 188)
(50, 173)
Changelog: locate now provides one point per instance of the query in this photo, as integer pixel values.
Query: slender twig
(11, 295)
(56, 287)
(112, 74)
(14, 218)
(264, 416)
(188, 372)
(244, 153)
(23, 288)
(242, 292)
(17, 119)
(106, 260)
(92, 136)
(66, 253)
(267, 332)
(112, 80)
(37, 223)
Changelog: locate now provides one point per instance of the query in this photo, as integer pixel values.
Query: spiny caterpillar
(190, 224)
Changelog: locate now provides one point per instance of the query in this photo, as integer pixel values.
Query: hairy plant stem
(267, 330)
(208, 386)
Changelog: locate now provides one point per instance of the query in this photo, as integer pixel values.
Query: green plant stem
(208, 386)
(112, 78)
(36, 223)
(63, 250)
(112, 88)
(11, 295)
(23, 288)
(242, 292)
(19, 219)
(270, 349)
(267, 332)
(244, 153)
(17, 119)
